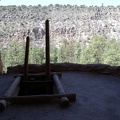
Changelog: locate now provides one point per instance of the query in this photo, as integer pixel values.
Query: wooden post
(47, 51)
(64, 100)
(26, 59)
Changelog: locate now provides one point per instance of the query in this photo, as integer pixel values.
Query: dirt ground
(98, 98)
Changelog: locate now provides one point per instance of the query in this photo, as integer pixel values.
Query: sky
(63, 2)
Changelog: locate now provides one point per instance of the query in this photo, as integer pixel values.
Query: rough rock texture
(58, 67)
(66, 22)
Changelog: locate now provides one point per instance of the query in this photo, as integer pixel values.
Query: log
(58, 84)
(38, 98)
(40, 76)
(13, 88)
(64, 100)
(3, 104)
(16, 91)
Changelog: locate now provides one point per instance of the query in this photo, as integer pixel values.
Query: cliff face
(66, 22)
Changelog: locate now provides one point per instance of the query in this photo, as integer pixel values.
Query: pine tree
(21, 52)
(36, 55)
(94, 52)
(42, 55)
(77, 52)
(1, 64)
(4, 61)
(62, 52)
(111, 55)
(54, 54)
(70, 49)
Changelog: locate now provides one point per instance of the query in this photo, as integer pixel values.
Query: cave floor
(97, 98)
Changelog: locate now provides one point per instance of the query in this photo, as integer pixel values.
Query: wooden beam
(3, 104)
(13, 88)
(64, 100)
(39, 76)
(47, 50)
(58, 84)
(38, 98)
(26, 59)
(12, 91)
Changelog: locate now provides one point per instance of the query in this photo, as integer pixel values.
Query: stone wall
(59, 67)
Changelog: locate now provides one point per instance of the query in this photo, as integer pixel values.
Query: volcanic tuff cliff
(66, 22)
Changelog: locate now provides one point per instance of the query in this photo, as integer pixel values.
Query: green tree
(36, 55)
(62, 52)
(13, 55)
(111, 54)
(42, 55)
(54, 54)
(13, 52)
(93, 53)
(3, 56)
(21, 52)
(77, 52)
(66, 52)
(70, 50)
